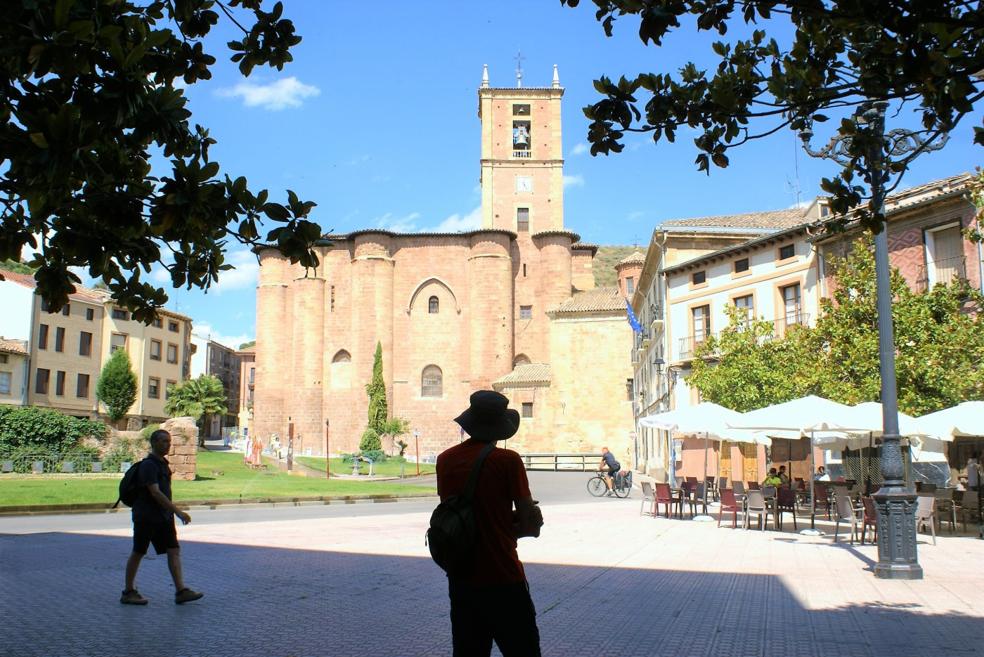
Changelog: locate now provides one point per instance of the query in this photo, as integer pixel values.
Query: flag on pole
(633, 320)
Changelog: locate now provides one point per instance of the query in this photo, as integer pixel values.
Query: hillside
(605, 261)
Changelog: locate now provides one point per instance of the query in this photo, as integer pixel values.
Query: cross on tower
(519, 68)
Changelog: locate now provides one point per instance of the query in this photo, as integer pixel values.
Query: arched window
(432, 382)
(521, 359)
(341, 370)
(433, 305)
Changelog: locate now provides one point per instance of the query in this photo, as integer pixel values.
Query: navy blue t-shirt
(610, 461)
(153, 470)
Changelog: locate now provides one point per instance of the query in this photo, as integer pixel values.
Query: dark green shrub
(374, 455)
(44, 429)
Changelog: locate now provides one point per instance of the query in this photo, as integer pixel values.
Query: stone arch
(341, 370)
(520, 359)
(432, 382)
(425, 283)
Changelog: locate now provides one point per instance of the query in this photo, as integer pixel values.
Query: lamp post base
(896, 508)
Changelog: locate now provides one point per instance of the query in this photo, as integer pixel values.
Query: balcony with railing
(780, 327)
(523, 155)
(945, 271)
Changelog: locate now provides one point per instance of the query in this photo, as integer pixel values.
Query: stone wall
(184, 447)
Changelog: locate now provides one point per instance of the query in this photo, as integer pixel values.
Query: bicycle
(622, 485)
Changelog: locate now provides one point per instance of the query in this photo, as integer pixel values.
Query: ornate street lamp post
(895, 502)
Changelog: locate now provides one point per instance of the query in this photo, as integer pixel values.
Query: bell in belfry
(521, 136)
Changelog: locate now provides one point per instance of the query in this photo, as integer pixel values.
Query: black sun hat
(489, 419)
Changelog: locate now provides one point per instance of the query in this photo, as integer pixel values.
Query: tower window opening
(521, 135)
(433, 305)
(523, 220)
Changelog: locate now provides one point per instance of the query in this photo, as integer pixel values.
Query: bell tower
(522, 158)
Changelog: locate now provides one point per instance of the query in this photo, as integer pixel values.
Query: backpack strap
(473, 477)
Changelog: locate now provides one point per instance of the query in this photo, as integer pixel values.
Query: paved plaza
(357, 581)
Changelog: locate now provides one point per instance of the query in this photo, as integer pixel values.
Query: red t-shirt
(501, 482)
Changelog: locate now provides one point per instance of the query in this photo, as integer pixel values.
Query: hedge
(43, 428)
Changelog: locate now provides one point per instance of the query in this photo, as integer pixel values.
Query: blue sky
(376, 121)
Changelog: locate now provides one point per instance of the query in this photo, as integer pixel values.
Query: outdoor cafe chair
(946, 507)
(665, 495)
(821, 498)
(769, 491)
(870, 519)
(648, 497)
(970, 506)
(755, 503)
(697, 499)
(729, 505)
(711, 484)
(754, 485)
(926, 512)
(739, 488)
(785, 503)
(722, 483)
(847, 512)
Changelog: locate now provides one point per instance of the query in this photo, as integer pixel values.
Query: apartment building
(13, 372)
(215, 359)
(247, 382)
(65, 351)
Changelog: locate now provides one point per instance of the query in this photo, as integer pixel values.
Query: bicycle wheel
(596, 486)
(623, 486)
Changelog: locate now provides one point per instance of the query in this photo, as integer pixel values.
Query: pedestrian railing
(554, 461)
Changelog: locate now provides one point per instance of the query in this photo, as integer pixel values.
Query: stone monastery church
(512, 306)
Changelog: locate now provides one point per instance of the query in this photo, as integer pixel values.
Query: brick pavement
(605, 582)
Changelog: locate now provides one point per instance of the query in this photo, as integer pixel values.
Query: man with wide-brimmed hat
(491, 601)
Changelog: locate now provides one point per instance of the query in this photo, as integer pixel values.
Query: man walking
(491, 601)
(153, 522)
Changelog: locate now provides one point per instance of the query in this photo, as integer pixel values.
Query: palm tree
(197, 398)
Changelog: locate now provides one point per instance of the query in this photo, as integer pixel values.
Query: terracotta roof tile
(80, 294)
(768, 220)
(13, 346)
(525, 375)
(636, 257)
(600, 299)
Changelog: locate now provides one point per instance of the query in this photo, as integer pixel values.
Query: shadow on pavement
(59, 592)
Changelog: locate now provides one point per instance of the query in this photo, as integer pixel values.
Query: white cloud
(244, 275)
(573, 181)
(634, 215)
(580, 149)
(206, 330)
(404, 224)
(288, 92)
(457, 223)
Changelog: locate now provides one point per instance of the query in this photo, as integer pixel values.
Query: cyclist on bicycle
(610, 466)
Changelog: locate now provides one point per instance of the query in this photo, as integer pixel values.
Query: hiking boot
(186, 595)
(132, 597)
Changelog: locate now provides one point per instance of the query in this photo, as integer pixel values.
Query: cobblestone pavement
(606, 582)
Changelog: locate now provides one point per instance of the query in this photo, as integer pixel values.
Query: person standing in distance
(491, 600)
(153, 522)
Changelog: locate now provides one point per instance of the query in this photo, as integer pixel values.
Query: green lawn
(388, 468)
(221, 476)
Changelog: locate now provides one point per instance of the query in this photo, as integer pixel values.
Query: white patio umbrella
(705, 418)
(964, 419)
(806, 416)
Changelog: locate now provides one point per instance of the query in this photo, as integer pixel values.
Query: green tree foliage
(34, 427)
(370, 441)
(975, 232)
(939, 339)
(376, 389)
(833, 57)
(196, 398)
(247, 345)
(117, 385)
(90, 93)
(16, 266)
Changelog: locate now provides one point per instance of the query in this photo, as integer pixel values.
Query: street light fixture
(895, 502)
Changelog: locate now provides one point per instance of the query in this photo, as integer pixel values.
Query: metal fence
(558, 461)
(43, 462)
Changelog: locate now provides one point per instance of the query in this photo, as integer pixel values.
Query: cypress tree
(376, 389)
(117, 385)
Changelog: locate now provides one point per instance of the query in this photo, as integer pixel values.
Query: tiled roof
(769, 220)
(13, 346)
(27, 280)
(636, 257)
(600, 299)
(926, 192)
(525, 375)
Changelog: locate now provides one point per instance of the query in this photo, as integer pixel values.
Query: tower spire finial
(519, 68)
(485, 76)
(556, 78)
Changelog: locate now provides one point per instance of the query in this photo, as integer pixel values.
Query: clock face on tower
(524, 184)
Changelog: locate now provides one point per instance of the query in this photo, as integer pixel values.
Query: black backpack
(453, 531)
(129, 488)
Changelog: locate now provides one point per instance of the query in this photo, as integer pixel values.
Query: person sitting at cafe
(821, 474)
(772, 479)
(783, 476)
